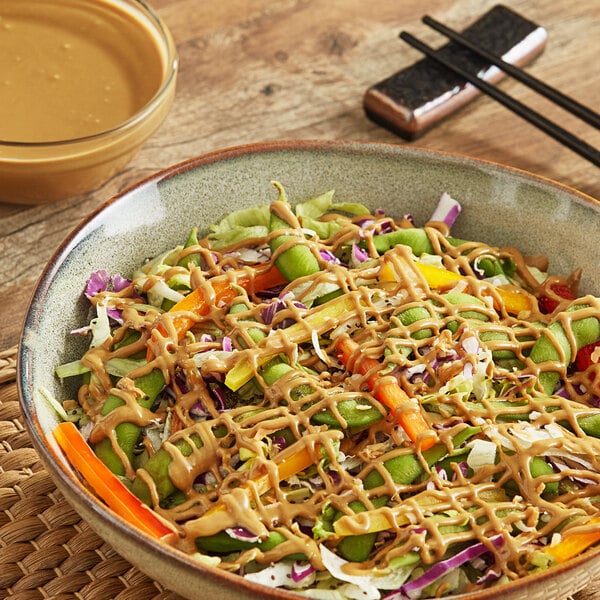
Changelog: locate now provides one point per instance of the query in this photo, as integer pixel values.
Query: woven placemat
(46, 550)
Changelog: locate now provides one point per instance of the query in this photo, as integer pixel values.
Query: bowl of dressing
(84, 84)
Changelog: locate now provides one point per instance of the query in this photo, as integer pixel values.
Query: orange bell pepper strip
(573, 544)
(224, 292)
(107, 485)
(437, 277)
(291, 465)
(388, 392)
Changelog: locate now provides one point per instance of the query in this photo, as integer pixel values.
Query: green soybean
(128, 433)
(357, 548)
(297, 260)
(584, 331)
(355, 412)
(414, 315)
(538, 467)
(406, 468)
(415, 238)
(256, 334)
(157, 467)
(223, 543)
(195, 258)
(459, 298)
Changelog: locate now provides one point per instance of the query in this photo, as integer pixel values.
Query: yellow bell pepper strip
(224, 292)
(325, 317)
(377, 520)
(437, 277)
(387, 517)
(573, 544)
(107, 485)
(404, 410)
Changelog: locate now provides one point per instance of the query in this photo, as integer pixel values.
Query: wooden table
(254, 70)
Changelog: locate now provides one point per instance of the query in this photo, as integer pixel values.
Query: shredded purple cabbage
(330, 257)
(412, 589)
(277, 305)
(101, 281)
(447, 210)
(301, 571)
(242, 534)
(358, 254)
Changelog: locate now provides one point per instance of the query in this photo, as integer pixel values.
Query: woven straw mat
(46, 550)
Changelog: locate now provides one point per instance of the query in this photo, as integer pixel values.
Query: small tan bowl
(84, 84)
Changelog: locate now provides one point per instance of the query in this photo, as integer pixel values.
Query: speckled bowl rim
(87, 502)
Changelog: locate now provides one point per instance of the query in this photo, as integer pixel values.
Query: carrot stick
(573, 544)
(388, 392)
(224, 292)
(107, 485)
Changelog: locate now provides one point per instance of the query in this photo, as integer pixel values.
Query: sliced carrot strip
(388, 392)
(107, 485)
(224, 292)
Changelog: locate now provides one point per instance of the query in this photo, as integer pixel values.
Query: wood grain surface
(255, 70)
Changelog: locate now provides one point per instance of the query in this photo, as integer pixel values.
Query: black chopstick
(570, 104)
(550, 128)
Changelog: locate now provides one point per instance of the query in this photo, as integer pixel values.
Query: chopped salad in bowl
(343, 402)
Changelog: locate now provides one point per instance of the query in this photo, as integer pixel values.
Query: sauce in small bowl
(84, 83)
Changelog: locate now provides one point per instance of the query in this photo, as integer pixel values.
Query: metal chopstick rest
(549, 127)
(419, 96)
(570, 104)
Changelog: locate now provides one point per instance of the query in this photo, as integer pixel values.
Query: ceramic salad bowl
(502, 206)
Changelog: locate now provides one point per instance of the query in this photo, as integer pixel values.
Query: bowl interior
(500, 206)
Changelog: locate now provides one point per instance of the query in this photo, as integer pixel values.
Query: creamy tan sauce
(429, 514)
(70, 69)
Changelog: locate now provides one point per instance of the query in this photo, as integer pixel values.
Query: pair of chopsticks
(549, 127)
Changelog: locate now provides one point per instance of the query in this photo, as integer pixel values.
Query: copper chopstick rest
(549, 127)
(570, 104)
(418, 97)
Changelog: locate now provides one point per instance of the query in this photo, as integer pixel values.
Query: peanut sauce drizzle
(429, 515)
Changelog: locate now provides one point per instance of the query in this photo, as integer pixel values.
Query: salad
(344, 403)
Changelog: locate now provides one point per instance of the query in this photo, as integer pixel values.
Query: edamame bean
(583, 331)
(157, 467)
(194, 259)
(256, 334)
(128, 433)
(223, 543)
(297, 260)
(416, 238)
(406, 468)
(357, 548)
(355, 412)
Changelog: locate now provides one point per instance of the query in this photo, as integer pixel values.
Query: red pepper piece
(548, 304)
(584, 356)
